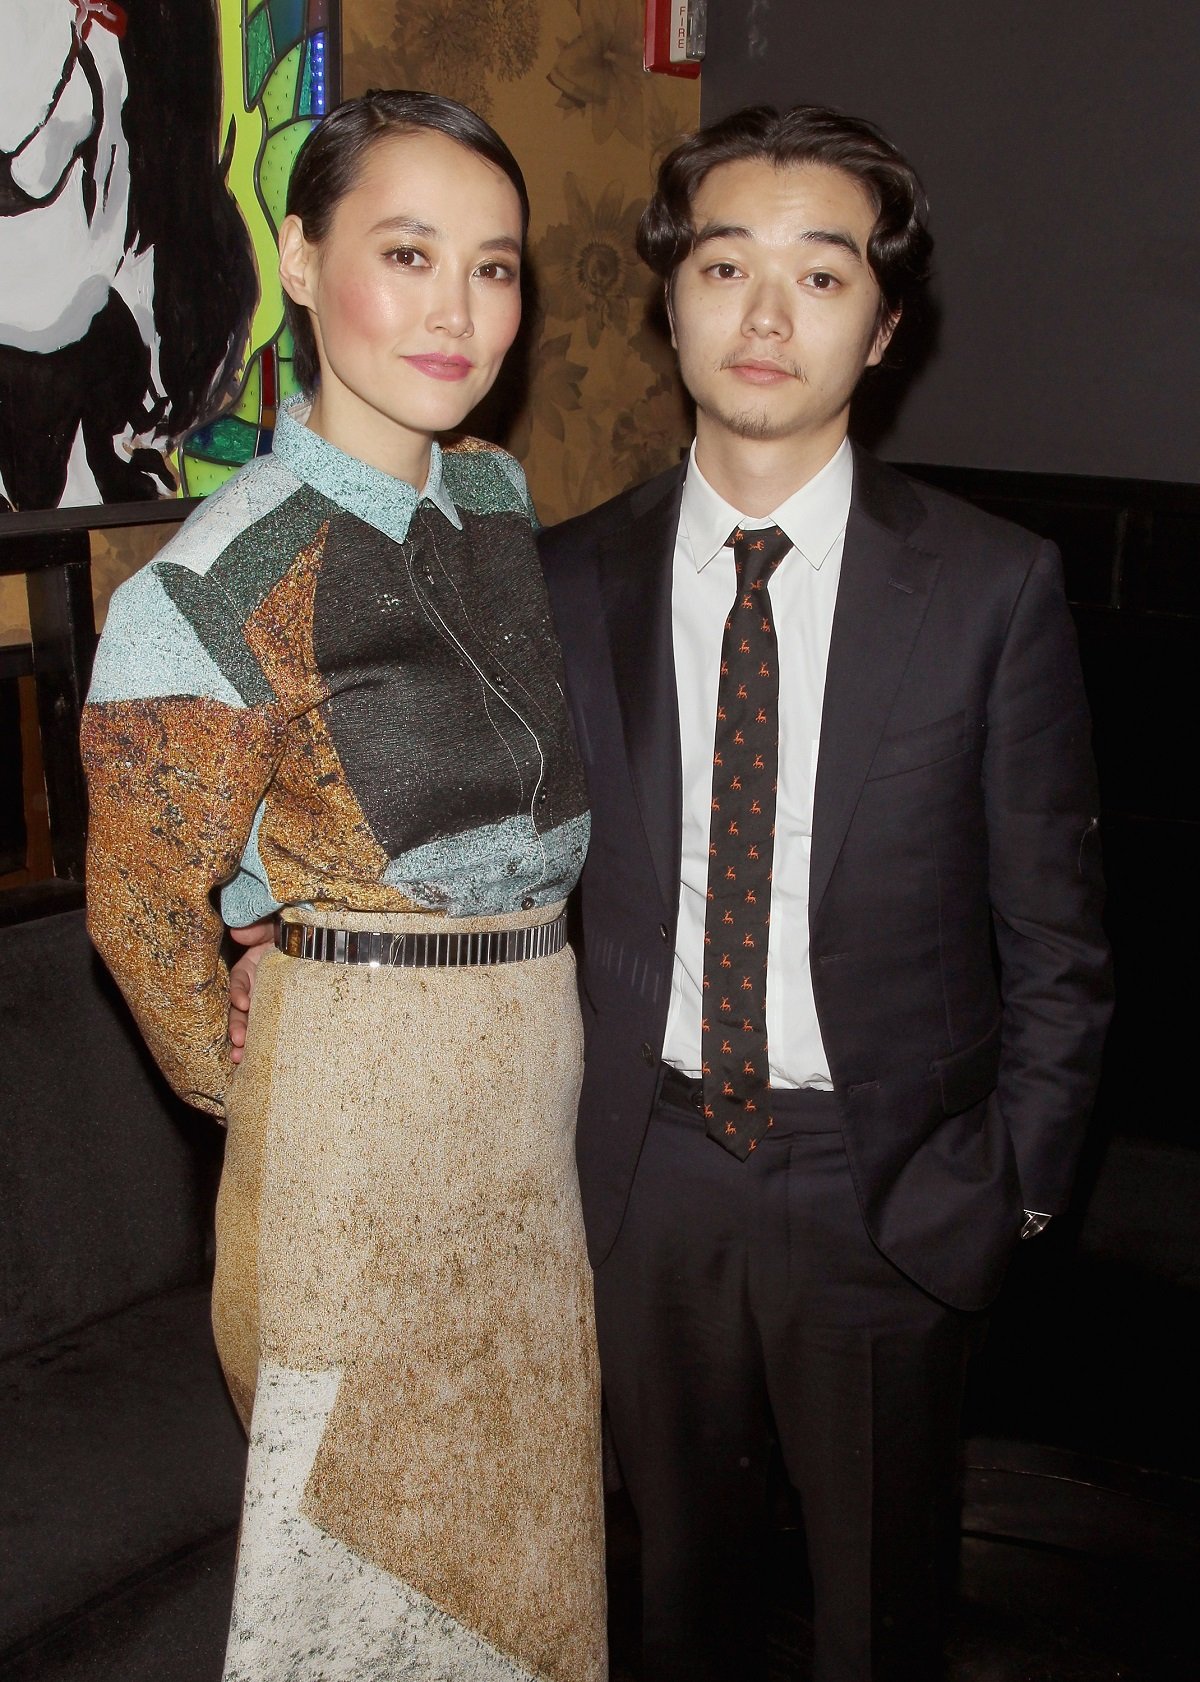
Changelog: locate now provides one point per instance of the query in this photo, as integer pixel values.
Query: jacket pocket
(928, 744)
(969, 1076)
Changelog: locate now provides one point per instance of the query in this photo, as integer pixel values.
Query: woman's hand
(257, 938)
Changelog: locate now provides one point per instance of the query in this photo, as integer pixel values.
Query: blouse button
(528, 903)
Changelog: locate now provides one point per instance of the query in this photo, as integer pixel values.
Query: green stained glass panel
(285, 351)
(249, 405)
(279, 154)
(279, 95)
(201, 478)
(259, 53)
(287, 19)
(305, 107)
(227, 440)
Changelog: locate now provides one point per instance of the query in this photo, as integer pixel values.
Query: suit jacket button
(648, 1054)
(664, 931)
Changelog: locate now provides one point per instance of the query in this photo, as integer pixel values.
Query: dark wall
(1061, 148)
(1060, 144)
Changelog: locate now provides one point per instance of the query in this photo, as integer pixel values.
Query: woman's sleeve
(181, 736)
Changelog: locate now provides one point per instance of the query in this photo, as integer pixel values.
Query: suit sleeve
(1045, 887)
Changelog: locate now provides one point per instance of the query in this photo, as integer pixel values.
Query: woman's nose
(451, 307)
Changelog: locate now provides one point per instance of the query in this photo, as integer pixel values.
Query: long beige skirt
(403, 1310)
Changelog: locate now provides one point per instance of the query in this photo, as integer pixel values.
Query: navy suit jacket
(960, 973)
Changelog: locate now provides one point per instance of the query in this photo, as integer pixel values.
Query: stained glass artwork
(274, 68)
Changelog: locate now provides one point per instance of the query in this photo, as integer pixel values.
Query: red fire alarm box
(675, 31)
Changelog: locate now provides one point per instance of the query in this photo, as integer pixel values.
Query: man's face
(775, 313)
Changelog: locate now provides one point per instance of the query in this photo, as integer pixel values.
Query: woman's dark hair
(900, 244)
(330, 161)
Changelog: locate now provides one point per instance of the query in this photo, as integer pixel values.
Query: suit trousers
(744, 1306)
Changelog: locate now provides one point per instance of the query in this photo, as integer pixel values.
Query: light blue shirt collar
(382, 501)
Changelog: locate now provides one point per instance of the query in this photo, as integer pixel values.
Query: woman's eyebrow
(422, 230)
(404, 225)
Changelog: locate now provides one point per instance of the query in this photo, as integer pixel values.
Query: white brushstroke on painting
(134, 284)
(57, 266)
(81, 489)
(37, 41)
(304, 1603)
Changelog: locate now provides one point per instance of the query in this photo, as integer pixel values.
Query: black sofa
(121, 1460)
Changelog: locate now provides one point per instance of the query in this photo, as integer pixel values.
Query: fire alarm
(675, 31)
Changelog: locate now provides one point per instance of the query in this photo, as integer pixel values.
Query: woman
(336, 695)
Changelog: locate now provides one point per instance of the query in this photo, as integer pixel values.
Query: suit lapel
(636, 590)
(882, 597)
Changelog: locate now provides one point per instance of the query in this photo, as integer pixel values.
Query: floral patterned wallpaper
(563, 82)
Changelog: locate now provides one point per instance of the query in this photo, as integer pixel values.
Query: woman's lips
(441, 367)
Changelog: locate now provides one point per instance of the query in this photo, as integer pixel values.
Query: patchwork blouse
(327, 689)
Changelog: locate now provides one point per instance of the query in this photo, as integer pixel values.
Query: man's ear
(883, 337)
(297, 262)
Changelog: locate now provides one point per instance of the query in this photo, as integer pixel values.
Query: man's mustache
(783, 363)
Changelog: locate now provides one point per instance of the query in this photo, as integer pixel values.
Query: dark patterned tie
(741, 842)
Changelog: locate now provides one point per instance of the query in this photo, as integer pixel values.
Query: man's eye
(724, 271)
(822, 282)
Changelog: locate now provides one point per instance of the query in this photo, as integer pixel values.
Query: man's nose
(768, 309)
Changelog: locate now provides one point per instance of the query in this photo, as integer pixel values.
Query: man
(873, 771)
(842, 977)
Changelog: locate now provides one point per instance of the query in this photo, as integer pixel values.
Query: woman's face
(415, 297)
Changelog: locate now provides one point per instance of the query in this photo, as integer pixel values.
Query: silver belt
(421, 951)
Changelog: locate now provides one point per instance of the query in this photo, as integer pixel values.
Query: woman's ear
(297, 262)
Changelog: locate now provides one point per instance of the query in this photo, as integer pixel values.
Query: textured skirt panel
(403, 1304)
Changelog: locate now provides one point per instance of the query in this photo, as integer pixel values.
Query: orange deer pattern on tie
(735, 1070)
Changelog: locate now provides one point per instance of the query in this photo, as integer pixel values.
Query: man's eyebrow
(810, 236)
(422, 230)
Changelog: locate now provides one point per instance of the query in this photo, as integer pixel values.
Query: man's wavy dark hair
(900, 245)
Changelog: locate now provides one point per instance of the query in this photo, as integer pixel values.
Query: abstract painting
(145, 148)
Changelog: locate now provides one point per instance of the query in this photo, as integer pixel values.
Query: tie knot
(758, 551)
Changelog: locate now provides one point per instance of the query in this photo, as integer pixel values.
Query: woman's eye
(496, 271)
(822, 282)
(407, 257)
(724, 271)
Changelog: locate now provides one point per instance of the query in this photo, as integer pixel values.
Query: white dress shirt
(803, 590)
